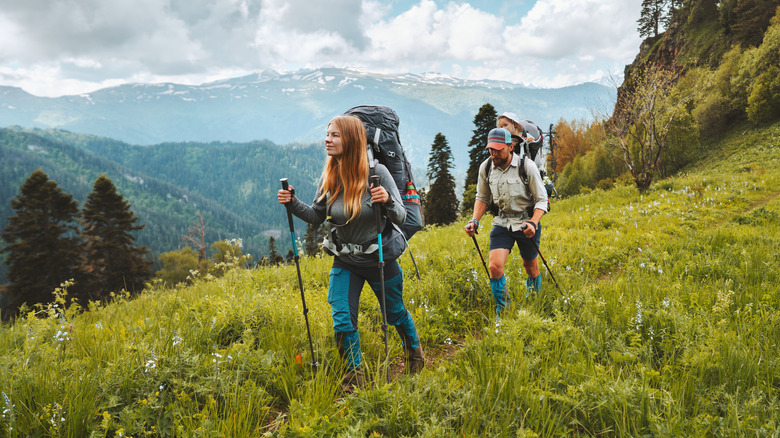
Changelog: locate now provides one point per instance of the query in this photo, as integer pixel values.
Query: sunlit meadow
(666, 323)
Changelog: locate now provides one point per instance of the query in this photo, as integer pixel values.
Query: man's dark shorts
(501, 237)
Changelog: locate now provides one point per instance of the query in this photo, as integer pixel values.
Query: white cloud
(54, 47)
(557, 28)
(300, 32)
(426, 33)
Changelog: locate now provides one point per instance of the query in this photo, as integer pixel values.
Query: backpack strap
(377, 132)
(521, 172)
(370, 153)
(335, 247)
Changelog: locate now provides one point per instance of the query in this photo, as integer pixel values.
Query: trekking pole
(298, 267)
(523, 227)
(474, 238)
(378, 215)
(413, 262)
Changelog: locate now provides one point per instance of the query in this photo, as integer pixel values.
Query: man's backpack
(535, 149)
(384, 144)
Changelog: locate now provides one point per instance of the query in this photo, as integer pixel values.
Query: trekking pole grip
(378, 216)
(375, 183)
(285, 186)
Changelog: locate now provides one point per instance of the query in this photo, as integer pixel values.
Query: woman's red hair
(349, 171)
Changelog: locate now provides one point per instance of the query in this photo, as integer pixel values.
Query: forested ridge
(233, 185)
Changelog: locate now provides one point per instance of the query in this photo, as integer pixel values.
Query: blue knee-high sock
(500, 292)
(533, 285)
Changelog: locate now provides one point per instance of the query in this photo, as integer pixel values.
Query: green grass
(667, 326)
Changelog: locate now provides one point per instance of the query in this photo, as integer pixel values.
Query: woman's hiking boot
(415, 360)
(353, 379)
(349, 349)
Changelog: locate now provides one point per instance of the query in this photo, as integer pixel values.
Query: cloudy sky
(60, 47)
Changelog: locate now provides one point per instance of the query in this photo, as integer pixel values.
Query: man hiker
(522, 200)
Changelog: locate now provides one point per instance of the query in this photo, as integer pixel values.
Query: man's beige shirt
(509, 192)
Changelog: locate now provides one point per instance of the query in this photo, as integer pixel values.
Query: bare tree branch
(642, 120)
(197, 236)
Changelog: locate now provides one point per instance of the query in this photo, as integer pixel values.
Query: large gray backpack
(384, 145)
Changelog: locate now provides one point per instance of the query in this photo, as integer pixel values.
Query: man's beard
(499, 161)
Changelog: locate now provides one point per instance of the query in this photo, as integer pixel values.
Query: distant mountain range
(295, 108)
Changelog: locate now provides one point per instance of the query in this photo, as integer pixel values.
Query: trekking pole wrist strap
(475, 222)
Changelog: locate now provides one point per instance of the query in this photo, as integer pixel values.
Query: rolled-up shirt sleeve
(483, 188)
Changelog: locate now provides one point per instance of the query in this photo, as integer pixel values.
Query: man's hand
(472, 227)
(529, 229)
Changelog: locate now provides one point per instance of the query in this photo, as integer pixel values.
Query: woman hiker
(345, 200)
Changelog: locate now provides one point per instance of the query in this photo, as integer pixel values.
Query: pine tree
(273, 258)
(672, 6)
(314, 235)
(650, 17)
(441, 207)
(111, 261)
(43, 243)
(484, 121)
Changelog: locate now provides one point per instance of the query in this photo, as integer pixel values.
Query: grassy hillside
(667, 326)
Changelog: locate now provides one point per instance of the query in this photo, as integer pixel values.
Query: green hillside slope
(243, 177)
(667, 325)
(233, 185)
